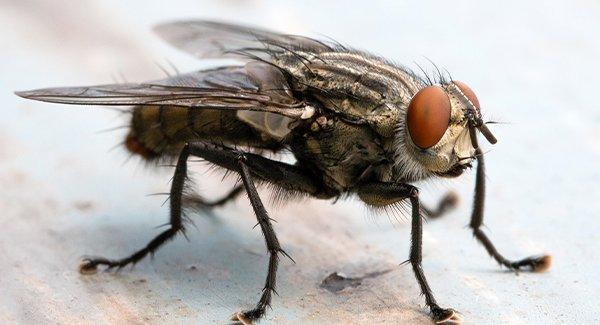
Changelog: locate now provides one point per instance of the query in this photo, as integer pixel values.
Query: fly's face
(439, 123)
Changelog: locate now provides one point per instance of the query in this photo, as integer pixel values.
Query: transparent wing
(255, 87)
(209, 39)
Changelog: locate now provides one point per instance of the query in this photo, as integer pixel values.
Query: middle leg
(273, 247)
(197, 201)
(250, 167)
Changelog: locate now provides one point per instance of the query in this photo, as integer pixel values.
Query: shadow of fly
(356, 124)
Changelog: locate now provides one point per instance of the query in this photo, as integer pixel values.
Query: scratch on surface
(121, 309)
(479, 287)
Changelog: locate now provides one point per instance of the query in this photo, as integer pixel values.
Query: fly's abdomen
(160, 130)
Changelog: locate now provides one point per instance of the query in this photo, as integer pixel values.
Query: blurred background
(65, 193)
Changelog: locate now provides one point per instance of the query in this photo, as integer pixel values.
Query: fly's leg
(538, 263)
(272, 246)
(379, 194)
(89, 265)
(202, 204)
(439, 315)
(445, 205)
(250, 167)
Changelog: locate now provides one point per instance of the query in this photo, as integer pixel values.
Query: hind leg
(89, 265)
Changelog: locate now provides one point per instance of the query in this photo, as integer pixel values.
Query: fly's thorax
(342, 153)
(360, 87)
(446, 146)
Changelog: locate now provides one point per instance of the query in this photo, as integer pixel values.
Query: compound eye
(468, 92)
(428, 116)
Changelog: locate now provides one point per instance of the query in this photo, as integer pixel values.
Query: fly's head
(439, 128)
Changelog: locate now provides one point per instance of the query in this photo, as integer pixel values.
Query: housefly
(355, 123)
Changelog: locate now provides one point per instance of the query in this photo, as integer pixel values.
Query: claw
(540, 263)
(284, 253)
(537, 263)
(86, 267)
(446, 316)
(241, 317)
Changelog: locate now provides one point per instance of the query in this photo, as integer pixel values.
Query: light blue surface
(533, 65)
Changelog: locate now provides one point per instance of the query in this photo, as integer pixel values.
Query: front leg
(445, 205)
(533, 263)
(382, 194)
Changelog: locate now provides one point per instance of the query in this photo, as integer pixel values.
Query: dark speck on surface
(336, 282)
(83, 205)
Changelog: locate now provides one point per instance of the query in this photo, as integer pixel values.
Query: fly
(355, 123)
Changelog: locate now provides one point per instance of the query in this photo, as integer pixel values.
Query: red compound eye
(428, 116)
(468, 92)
